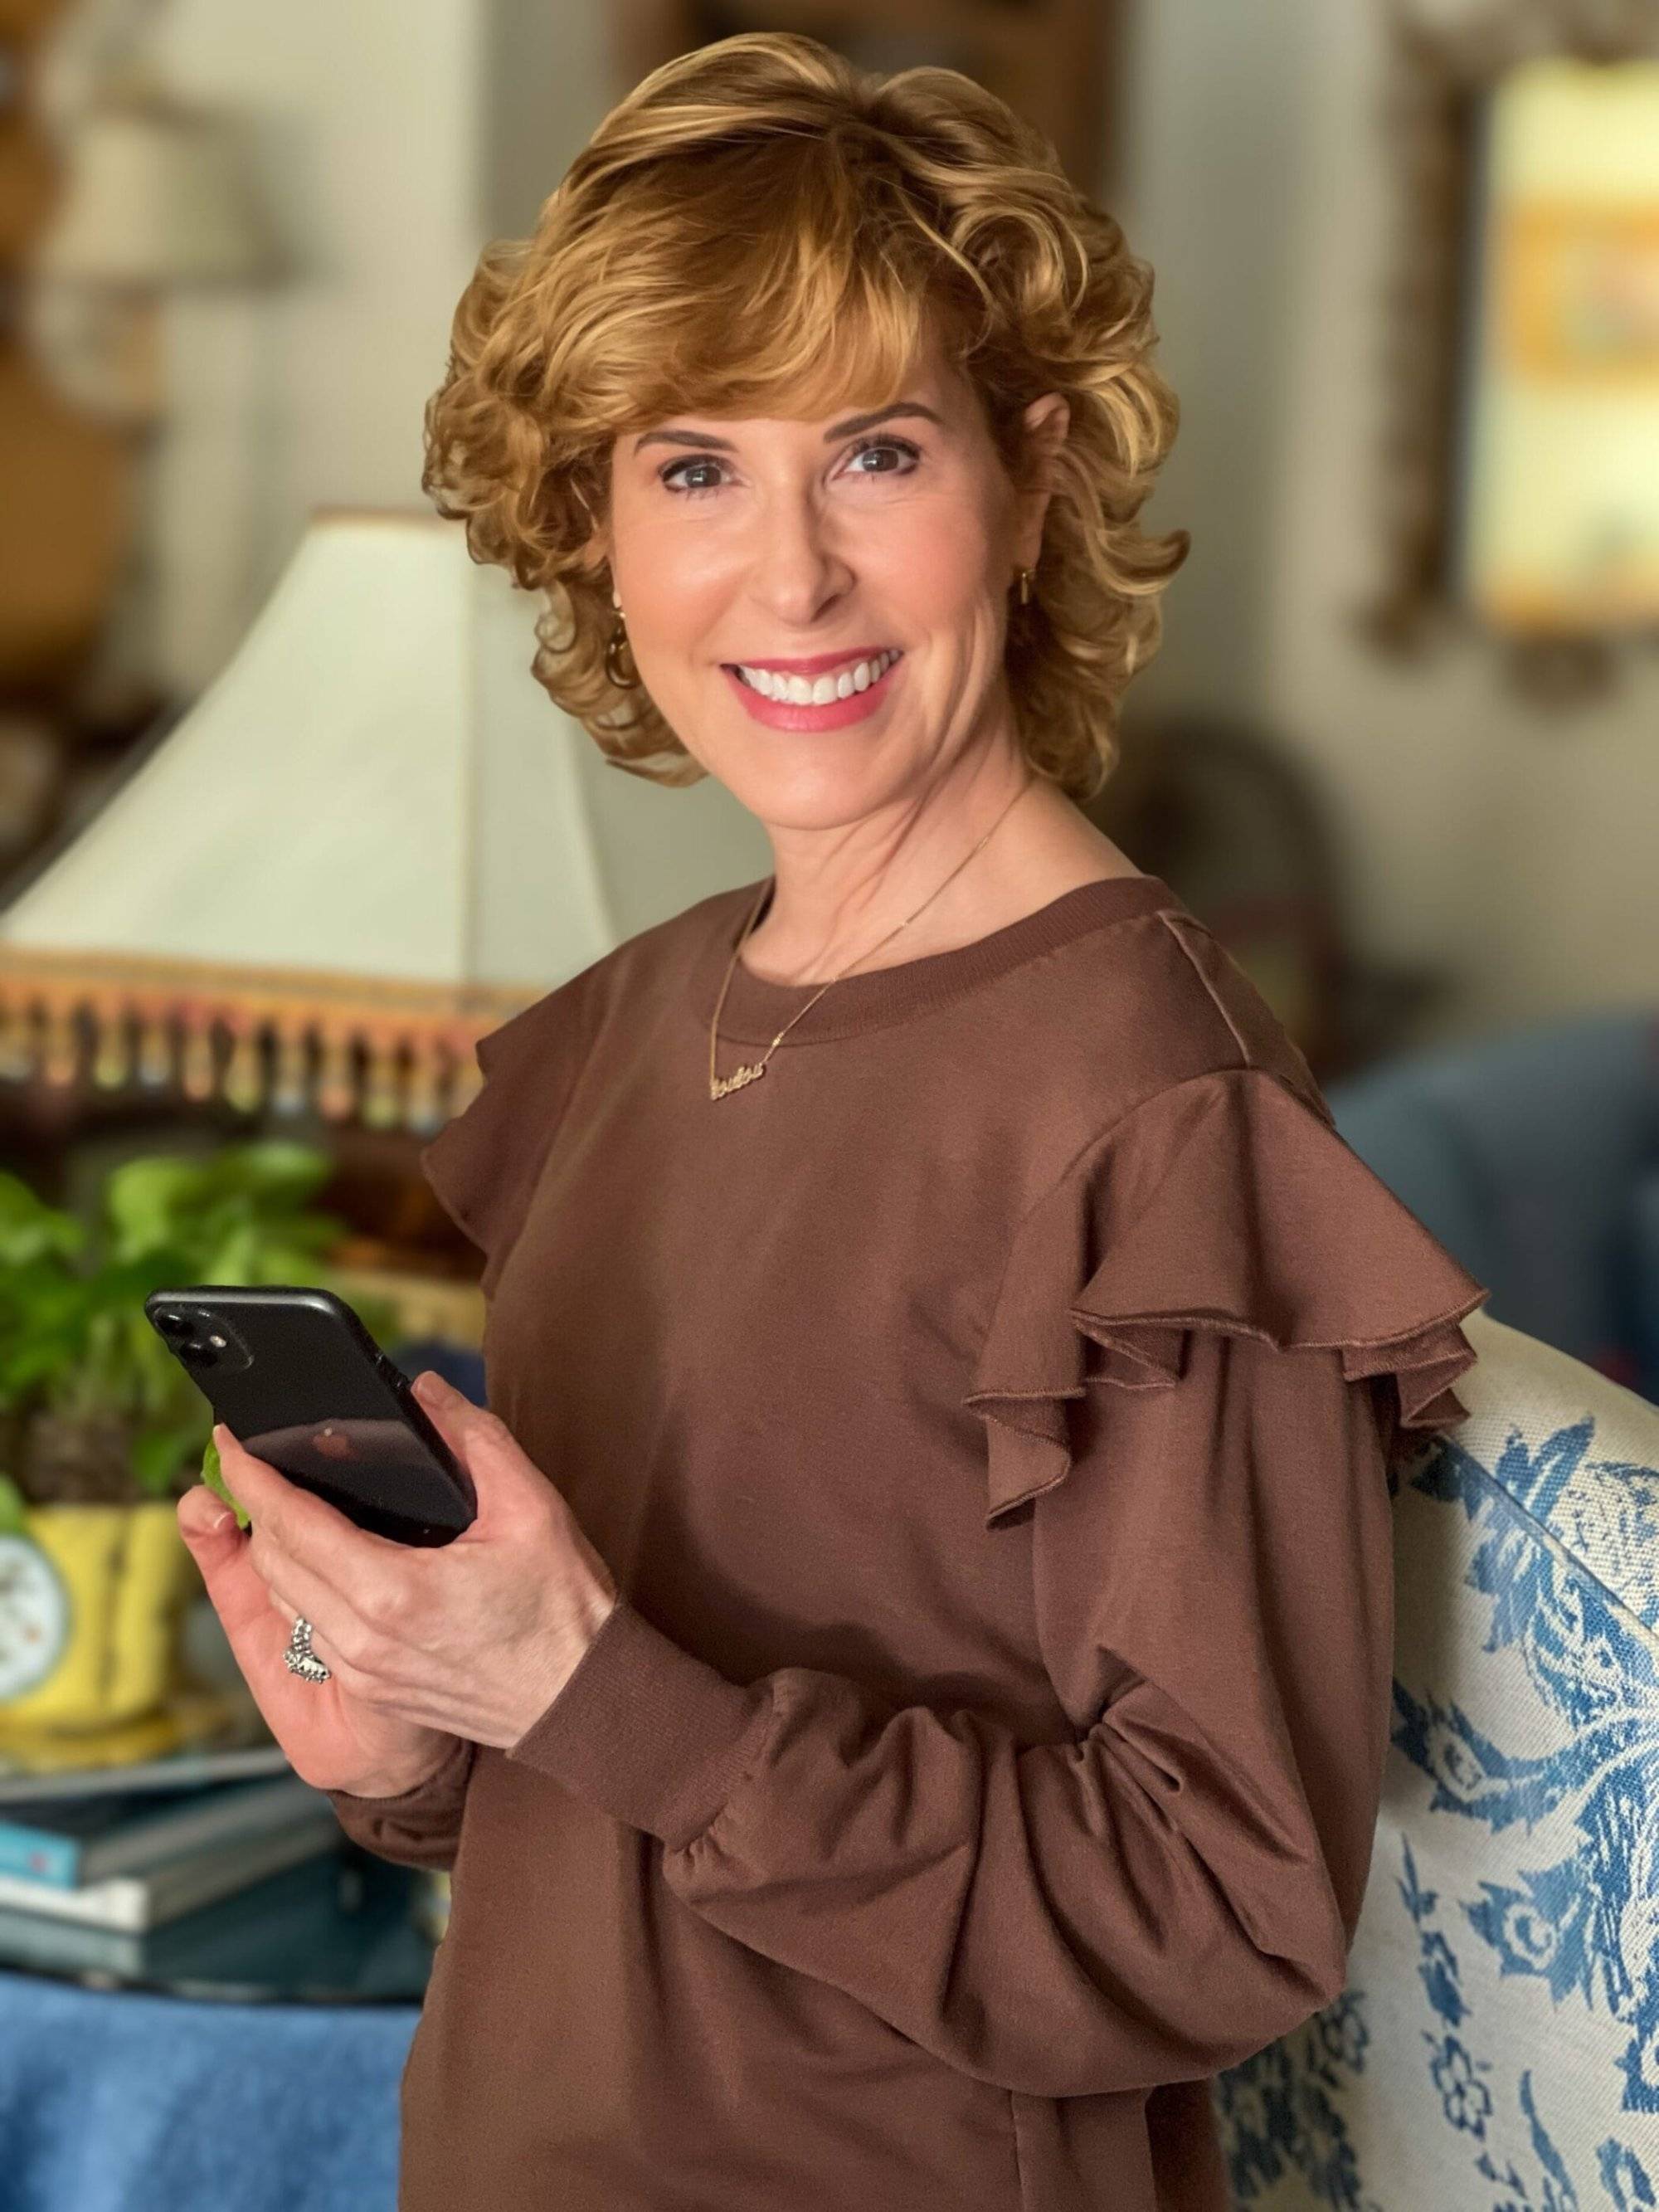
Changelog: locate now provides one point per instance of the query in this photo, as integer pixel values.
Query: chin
(819, 786)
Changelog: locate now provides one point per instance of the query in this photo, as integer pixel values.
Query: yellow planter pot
(431, 1903)
(91, 1602)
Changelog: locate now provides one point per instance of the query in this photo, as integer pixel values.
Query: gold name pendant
(736, 1080)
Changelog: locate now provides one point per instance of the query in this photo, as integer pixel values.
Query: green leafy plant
(96, 1407)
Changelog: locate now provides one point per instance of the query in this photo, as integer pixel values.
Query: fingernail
(430, 1385)
(202, 1523)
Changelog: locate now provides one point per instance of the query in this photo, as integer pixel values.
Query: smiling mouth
(815, 690)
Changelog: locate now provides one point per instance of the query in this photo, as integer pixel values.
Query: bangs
(791, 286)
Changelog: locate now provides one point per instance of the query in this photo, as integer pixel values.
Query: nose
(800, 566)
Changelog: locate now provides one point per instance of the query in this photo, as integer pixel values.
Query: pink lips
(835, 714)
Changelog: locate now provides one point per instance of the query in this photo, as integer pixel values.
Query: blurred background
(285, 824)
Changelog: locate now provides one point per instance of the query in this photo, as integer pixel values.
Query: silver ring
(300, 1659)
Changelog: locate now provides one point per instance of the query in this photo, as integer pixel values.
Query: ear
(1045, 423)
(596, 552)
(596, 555)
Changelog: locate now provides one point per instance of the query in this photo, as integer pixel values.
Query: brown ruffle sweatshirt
(988, 1417)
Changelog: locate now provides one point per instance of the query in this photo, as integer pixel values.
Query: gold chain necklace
(719, 1085)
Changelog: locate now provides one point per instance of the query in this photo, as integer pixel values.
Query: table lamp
(371, 839)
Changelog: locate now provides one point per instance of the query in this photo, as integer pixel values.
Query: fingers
(441, 1399)
(295, 1594)
(220, 1551)
(201, 1514)
(244, 1590)
(301, 1526)
(302, 1557)
(512, 1491)
(463, 1426)
(258, 1624)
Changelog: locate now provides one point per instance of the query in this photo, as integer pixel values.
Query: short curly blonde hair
(760, 228)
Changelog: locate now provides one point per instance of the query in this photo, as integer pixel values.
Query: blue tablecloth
(122, 2101)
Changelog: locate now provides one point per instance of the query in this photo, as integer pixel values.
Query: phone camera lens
(175, 1324)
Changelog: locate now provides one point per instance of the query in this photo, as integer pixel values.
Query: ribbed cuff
(420, 1826)
(646, 1732)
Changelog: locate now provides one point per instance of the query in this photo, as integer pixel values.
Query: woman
(912, 1706)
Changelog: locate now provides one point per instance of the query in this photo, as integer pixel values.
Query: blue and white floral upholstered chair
(1496, 2049)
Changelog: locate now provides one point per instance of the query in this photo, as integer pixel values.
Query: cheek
(671, 578)
(935, 568)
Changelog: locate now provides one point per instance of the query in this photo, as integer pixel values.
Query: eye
(900, 446)
(908, 455)
(691, 461)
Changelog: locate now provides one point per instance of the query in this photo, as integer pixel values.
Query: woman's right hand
(334, 1741)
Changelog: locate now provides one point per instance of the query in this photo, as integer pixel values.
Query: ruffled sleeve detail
(482, 1164)
(1228, 1202)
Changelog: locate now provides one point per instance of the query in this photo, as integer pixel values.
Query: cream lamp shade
(371, 840)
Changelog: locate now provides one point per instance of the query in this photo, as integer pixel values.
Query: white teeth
(803, 692)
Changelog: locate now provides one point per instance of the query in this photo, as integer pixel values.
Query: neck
(837, 894)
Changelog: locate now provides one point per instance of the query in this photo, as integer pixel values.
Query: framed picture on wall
(1558, 520)
(1518, 484)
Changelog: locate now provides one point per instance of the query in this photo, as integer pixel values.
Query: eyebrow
(837, 430)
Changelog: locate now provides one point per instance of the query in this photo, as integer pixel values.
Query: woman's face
(771, 541)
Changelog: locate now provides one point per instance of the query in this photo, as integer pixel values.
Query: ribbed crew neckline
(756, 1009)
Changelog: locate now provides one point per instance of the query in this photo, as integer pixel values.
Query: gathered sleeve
(1206, 1337)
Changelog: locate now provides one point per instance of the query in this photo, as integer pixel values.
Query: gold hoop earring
(614, 644)
(1025, 582)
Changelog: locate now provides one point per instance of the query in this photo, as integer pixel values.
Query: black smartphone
(297, 1379)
